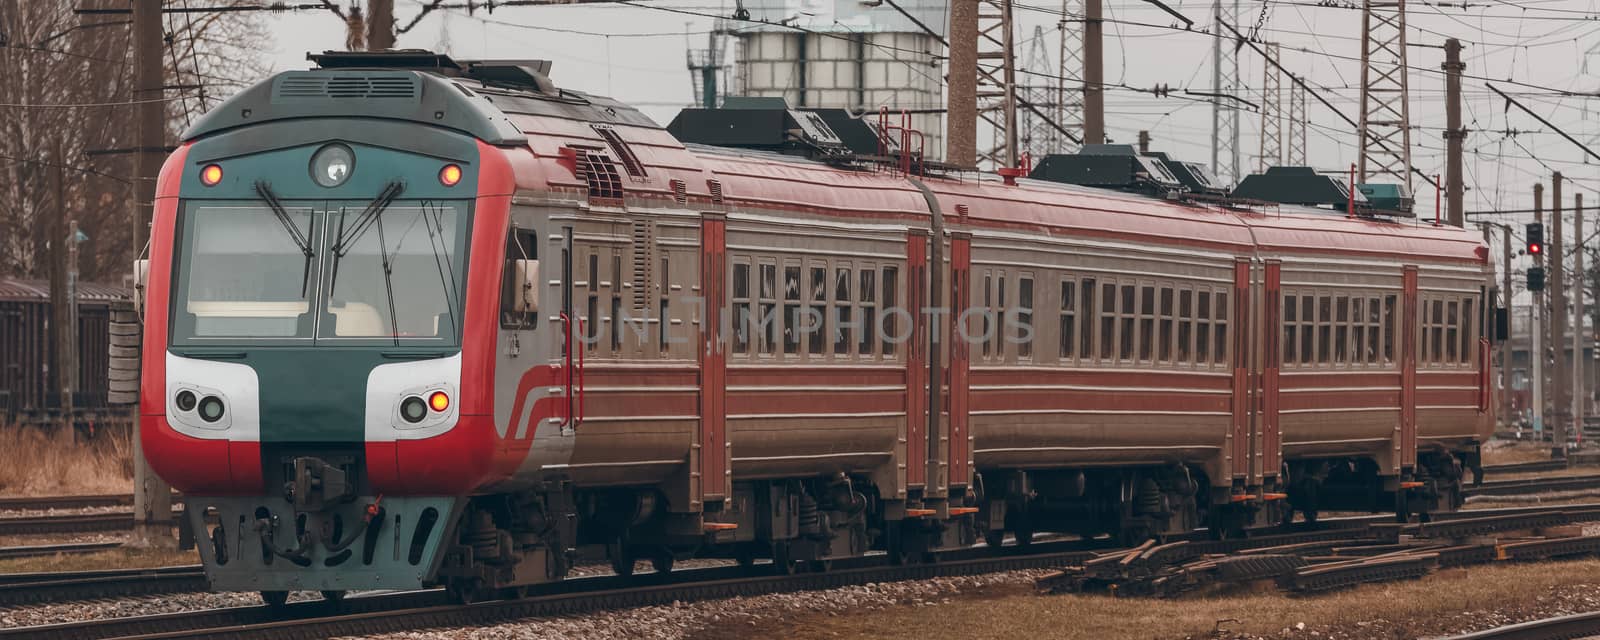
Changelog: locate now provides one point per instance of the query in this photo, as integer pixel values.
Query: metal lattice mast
(1271, 152)
(1038, 137)
(1069, 102)
(997, 86)
(1296, 156)
(1225, 82)
(1385, 110)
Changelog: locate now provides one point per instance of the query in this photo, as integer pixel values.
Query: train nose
(413, 400)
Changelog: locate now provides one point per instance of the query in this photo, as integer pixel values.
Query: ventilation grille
(600, 172)
(621, 148)
(680, 191)
(716, 190)
(344, 85)
(644, 250)
(962, 211)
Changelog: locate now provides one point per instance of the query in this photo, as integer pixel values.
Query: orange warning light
(450, 175)
(211, 175)
(438, 401)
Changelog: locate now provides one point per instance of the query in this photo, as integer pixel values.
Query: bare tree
(66, 103)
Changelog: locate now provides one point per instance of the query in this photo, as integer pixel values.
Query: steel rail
(1525, 467)
(1533, 485)
(80, 501)
(34, 551)
(1578, 625)
(70, 523)
(69, 586)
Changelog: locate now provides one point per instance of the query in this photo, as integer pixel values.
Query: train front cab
(312, 341)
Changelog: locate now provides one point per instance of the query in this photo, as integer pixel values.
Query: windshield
(242, 276)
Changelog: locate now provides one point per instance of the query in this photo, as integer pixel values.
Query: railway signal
(1535, 235)
(1535, 278)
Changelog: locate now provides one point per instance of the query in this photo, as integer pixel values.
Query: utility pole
(1069, 104)
(1505, 345)
(1094, 96)
(1144, 141)
(1225, 82)
(152, 498)
(60, 379)
(1558, 320)
(961, 121)
(1385, 112)
(996, 93)
(1454, 135)
(1296, 155)
(1580, 400)
(1271, 152)
(1536, 329)
(380, 25)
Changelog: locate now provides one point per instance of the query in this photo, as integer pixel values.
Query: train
(27, 352)
(413, 321)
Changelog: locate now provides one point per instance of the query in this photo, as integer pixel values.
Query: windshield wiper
(341, 244)
(300, 240)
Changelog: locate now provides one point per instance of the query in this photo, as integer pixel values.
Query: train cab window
(841, 310)
(791, 309)
(1147, 322)
(1341, 329)
(1291, 329)
(1324, 329)
(891, 310)
(1219, 346)
(1108, 321)
(521, 244)
(741, 308)
(1024, 317)
(1202, 328)
(816, 338)
(767, 322)
(1164, 331)
(1069, 319)
(1185, 325)
(1388, 328)
(591, 319)
(867, 295)
(1086, 293)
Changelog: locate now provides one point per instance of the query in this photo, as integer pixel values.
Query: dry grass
(1018, 613)
(1512, 451)
(36, 462)
(126, 558)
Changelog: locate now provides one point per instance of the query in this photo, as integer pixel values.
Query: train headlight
(185, 400)
(211, 175)
(332, 165)
(450, 175)
(412, 409)
(211, 408)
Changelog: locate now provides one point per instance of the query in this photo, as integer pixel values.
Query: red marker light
(438, 401)
(450, 175)
(211, 175)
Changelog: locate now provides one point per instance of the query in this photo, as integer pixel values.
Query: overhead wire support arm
(1547, 123)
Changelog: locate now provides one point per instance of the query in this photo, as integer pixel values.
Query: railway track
(71, 586)
(70, 523)
(1524, 467)
(1579, 625)
(34, 551)
(1533, 485)
(82, 501)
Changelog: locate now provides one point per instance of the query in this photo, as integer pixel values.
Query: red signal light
(211, 175)
(450, 175)
(1535, 249)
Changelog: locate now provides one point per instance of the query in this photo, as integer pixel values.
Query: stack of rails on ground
(446, 344)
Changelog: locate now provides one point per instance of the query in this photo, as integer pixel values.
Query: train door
(916, 429)
(960, 450)
(712, 479)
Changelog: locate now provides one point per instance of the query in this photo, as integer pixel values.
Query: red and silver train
(413, 321)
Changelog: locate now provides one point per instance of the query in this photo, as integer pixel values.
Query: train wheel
(464, 591)
(622, 559)
(994, 538)
(895, 544)
(783, 558)
(275, 598)
(1023, 535)
(334, 596)
(745, 555)
(661, 561)
(820, 566)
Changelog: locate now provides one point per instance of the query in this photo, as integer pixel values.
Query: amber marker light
(211, 175)
(450, 175)
(438, 401)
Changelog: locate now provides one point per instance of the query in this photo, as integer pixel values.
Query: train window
(1358, 330)
(868, 295)
(767, 322)
(1086, 307)
(988, 303)
(1164, 332)
(1374, 330)
(819, 311)
(1108, 320)
(1147, 322)
(616, 319)
(592, 318)
(999, 315)
(1126, 313)
(1308, 329)
(1291, 329)
(1324, 329)
(891, 290)
(1452, 339)
(791, 309)
(664, 298)
(1185, 325)
(1024, 317)
(1468, 321)
(841, 310)
(1219, 346)
(1202, 328)
(1437, 333)
(1388, 328)
(741, 308)
(1341, 329)
(521, 244)
(1069, 318)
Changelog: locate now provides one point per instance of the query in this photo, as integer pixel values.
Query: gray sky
(1540, 42)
